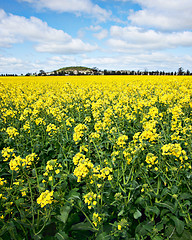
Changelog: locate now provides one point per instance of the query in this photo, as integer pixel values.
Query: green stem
(45, 222)
(158, 185)
(129, 175)
(97, 151)
(36, 176)
(84, 214)
(149, 183)
(31, 195)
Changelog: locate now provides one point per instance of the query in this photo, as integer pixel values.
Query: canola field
(96, 157)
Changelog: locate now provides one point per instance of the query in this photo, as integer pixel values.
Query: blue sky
(107, 34)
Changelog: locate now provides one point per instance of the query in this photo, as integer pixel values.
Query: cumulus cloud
(74, 6)
(16, 29)
(163, 14)
(101, 35)
(18, 66)
(136, 38)
(141, 61)
(94, 28)
(14, 65)
(9, 61)
(98, 32)
(73, 46)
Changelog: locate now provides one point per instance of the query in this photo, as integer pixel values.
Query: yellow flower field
(96, 157)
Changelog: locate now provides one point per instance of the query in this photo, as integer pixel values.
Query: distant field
(96, 157)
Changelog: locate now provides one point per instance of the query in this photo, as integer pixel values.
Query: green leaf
(19, 201)
(60, 156)
(160, 226)
(174, 189)
(167, 205)
(164, 212)
(121, 212)
(152, 209)
(33, 172)
(185, 196)
(137, 214)
(139, 200)
(103, 236)
(64, 211)
(143, 228)
(61, 236)
(158, 238)
(73, 194)
(37, 237)
(179, 225)
(173, 235)
(83, 226)
(149, 226)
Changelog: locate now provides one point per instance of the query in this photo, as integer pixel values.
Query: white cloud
(74, 6)
(152, 61)
(14, 65)
(135, 38)
(141, 61)
(163, 14)
(18, 66)
(16, 29)
(9, 61)
(57, 62)
(94, 28)
(74, 46)
(101, 35)
(99, 32)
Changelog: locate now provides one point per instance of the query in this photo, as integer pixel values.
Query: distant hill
(77, 68)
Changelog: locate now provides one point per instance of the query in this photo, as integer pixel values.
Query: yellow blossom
(45, 198)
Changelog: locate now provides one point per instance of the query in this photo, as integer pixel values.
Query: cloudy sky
(107, 34)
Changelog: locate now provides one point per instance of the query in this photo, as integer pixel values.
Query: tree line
(96, 71)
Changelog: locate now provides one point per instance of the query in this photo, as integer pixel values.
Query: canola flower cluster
(115, 140)
(91, 199)
(12, 132)
(52, 168)
(78, 132)
(83, 166)
(151, 159)
(18, 162)
(7, 153)
(45, 198)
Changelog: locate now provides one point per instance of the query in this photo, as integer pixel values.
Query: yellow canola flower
(119, 227)
(91, 199)
(82, 168)
(17, 162)
(172, 149)
(12, 132)
(151, 159)
(6, 153)
(121, 141)
(2, 181)
(78, 132)
(96, 219)
(51, 129)
(77, 158)
(102, 173)
(45, 198)
(23, 193)
(94, 135)
(84, 148)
